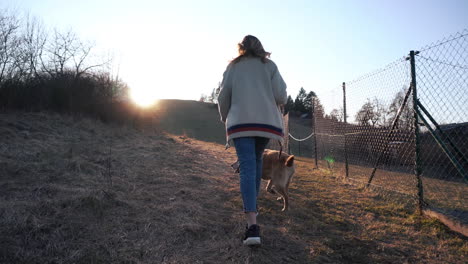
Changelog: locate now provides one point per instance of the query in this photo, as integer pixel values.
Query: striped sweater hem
(255, 127)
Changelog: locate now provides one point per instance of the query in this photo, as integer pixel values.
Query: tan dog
(278, 171)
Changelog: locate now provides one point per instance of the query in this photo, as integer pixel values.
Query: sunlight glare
(142, 97)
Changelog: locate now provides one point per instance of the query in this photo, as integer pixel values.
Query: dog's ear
(290, 161)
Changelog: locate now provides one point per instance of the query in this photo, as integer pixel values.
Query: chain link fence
(402, 130)
(442, 84)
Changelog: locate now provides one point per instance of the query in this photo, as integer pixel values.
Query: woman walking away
(252, 92)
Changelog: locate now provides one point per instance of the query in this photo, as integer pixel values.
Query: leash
(279, 141)
(281, 149)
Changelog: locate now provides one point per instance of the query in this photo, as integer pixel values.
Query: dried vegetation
(73, 190)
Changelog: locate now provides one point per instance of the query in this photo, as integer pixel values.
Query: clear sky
(179, 49)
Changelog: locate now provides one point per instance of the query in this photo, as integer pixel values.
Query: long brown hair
(251, 47)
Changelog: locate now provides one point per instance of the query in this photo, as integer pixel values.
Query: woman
(249, 101)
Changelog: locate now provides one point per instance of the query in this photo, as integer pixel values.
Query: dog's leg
(284, 194)
(286, 201)
(269, 187)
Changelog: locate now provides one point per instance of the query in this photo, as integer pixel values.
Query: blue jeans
(250, 154)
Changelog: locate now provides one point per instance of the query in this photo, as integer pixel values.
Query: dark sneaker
(252, 236)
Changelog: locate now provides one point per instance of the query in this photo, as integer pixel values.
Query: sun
(142, 97)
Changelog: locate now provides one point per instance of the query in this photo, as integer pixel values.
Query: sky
(180, 49)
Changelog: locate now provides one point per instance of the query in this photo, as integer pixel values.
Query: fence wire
(367, 138)
(379, 141)
(442, 81)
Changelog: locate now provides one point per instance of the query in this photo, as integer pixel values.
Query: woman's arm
(224, 97)
(279, 87)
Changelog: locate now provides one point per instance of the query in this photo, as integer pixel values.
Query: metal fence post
(286, 134)
(417, 167)
(345, 128)
(314, 123)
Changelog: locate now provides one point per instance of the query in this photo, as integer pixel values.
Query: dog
(278, 170)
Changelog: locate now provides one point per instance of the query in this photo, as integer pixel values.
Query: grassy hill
(73, 190)
(191, 118)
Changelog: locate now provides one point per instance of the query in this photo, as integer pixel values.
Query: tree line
(303, 103)
(373, 112)
(42, 69)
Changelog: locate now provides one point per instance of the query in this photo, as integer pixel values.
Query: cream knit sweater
(249, 99)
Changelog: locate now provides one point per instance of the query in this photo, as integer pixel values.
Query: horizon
(175, 50)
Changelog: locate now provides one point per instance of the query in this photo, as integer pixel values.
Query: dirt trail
(329, 222)
(172, 199)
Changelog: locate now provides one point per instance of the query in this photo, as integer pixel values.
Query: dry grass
(447, 195)
(191, 118)
(172, 199)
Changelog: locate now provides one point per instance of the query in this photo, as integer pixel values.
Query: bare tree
(372, 113)
(380, 113)
(59, 52)
(53, 70)
(337, 115)
(81, 56)
(9, 26)
(30, 47)
(405, 121)
(364, 115)
(66, 52)
(35, 39)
